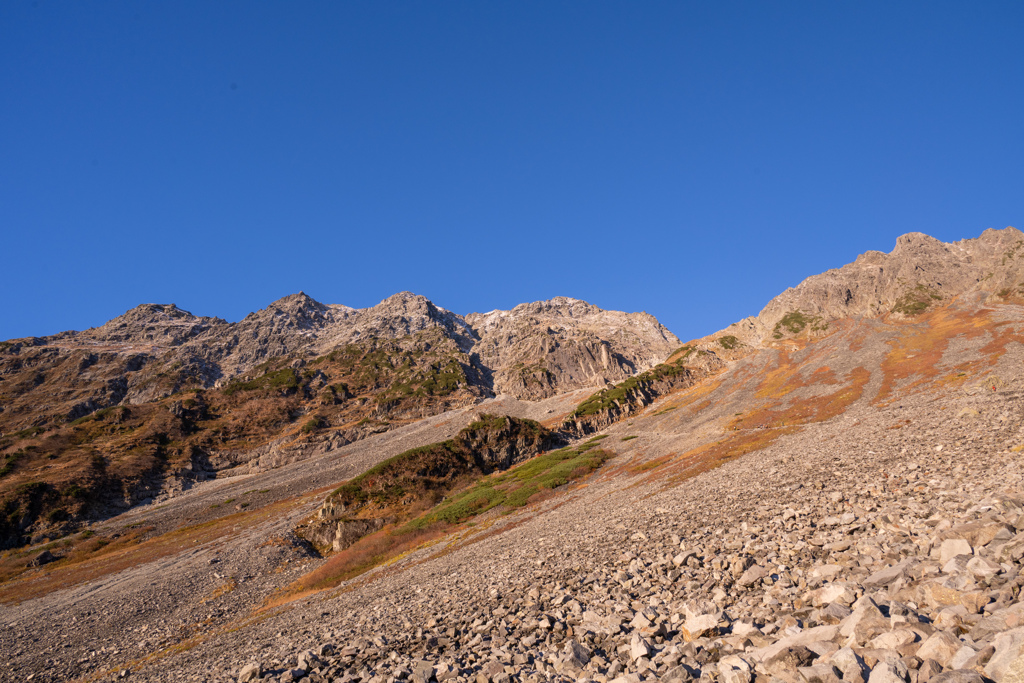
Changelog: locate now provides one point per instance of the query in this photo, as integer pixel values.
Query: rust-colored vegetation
(709, 456)
(648, 465)
(691, 397)
(73, 459)
(783, 409)
(915, 359)
(87, 556)
(525, 484)
(790, 393)
(368, 552)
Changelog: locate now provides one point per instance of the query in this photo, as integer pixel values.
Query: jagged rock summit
(919, 272)
(546, 347)
(533, 351)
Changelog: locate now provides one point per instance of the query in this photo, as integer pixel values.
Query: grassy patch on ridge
(508, 491)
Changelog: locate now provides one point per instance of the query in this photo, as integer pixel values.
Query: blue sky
(690, 159)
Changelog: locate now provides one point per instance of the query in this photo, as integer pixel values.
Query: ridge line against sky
(686, 159)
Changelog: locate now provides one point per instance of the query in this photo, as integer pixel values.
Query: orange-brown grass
(363, 555)
(706, 403)
(690, 395)
(13, 563)
(823, 375)
(762, 426)
(801, 411)
(916, 353)
(1002, 334)
(787, 376)
(784, 378)
(88, 560)
(648, 465)
(609, 473)
(709, 456)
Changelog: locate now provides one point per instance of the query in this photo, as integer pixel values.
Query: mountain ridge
(919, 271)
(213, 350)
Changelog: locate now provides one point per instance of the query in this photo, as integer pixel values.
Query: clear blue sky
(690, 159)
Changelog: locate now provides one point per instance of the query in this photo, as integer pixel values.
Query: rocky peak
(542, 348)
(407, 302)
(918, 273)
(405, 309)
(559, 306)
(534, 351)
(297, 310)
(919, 242)
(300, 305)
(406, 313)
(163, 324)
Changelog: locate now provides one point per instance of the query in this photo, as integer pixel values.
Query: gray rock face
(45, 557)
(543, 348)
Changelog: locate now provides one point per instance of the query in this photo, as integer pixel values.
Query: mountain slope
(152, 402)
(841, 502)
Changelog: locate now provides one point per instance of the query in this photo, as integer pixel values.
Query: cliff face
(548, 347)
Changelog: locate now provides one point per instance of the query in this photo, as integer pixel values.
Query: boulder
(639, 647)
(575, 654)
(952, 547)
(250, 672)
(941, 647)
(45, 557)
(888, 672)
(752, 576)
(699, 627)
(1007, 646)
(785, 662)
(820, 673)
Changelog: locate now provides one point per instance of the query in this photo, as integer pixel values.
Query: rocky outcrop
(544, 348)
(631, 396)
(920, 272)
(420, 477)
(331, 534)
